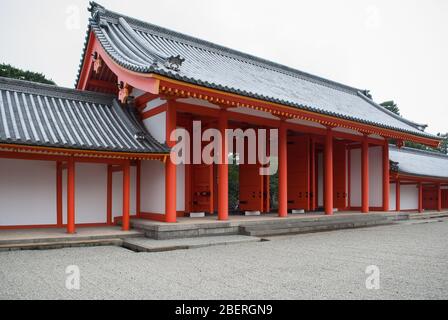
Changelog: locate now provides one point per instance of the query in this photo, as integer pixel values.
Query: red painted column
(138, 188)
(59, 194)
(71, 196)
(365, 175)
(420, 197)
(170, 168)
(386, 176)
(439, 197)
(126, 195)
(109, 194)
(397, 196)
(282, 170)
(223, 169)
(328, 172)
(313, 175)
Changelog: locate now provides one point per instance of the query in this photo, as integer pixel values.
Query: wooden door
(339, 175)
(298, 172)
(202, 188)
(251, 188)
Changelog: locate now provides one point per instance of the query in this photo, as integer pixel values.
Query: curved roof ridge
(223, 50)
(54, 91)
(390, 113)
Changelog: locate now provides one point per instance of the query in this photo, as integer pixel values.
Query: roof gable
(145, 48)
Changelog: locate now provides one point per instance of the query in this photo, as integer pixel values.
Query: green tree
(9, 71)
(391, 106)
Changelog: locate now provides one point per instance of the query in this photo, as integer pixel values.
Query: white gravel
(412, 258)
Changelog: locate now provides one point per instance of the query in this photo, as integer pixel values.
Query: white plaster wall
(152, 179)
(409, 197)
(320, 179)
(27, 192)
(392, 199)
(90, 193)
(117, 193)
(153, 187)
(375, 177)
(180, 187)
(156, 126)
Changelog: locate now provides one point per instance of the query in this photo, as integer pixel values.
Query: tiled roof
(420, 163)
(146, 48)
(43, 115)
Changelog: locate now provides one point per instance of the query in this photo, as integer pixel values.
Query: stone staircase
(285, 227)
(260, 228)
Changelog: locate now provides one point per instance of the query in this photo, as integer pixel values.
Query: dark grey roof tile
(42, 115)
(140, 46)
(420, 163)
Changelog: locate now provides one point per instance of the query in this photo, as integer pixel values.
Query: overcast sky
(396, 49)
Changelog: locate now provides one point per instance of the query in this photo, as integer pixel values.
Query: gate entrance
(339, 175)
(202, 176)
(298, 172)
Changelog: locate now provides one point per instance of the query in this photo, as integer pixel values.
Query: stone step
(42, 245)
(263, 231)
(282, 224)
(151, 245)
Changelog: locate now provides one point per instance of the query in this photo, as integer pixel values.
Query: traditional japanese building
(101, 152)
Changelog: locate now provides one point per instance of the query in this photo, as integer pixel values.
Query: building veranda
(100, 154)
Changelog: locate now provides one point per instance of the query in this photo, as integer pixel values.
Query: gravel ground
(412, 258)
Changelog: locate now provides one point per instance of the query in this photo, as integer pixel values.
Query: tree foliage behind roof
(391, 106)
(9, 71)
(443, 148)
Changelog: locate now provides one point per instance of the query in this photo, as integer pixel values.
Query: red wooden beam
(184, 90)
(153, 112)
(109, 86)
(141, 101)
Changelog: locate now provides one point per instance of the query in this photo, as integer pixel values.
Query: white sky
(396, 49)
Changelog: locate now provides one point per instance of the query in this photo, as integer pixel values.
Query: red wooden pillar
(223, 169)
(365, 175)
(109, 194)
(328, 172)
(386, 176)
(71, 196)
(59, 194)
(439, 197)
(313, 175)
(420, 197)
(138, 188)
(170, 168)
(397, 196)
(126, 195)
(282, 171)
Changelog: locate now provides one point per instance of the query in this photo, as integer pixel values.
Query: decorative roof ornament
(393, 166)
(140, 136)
(174, 63)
